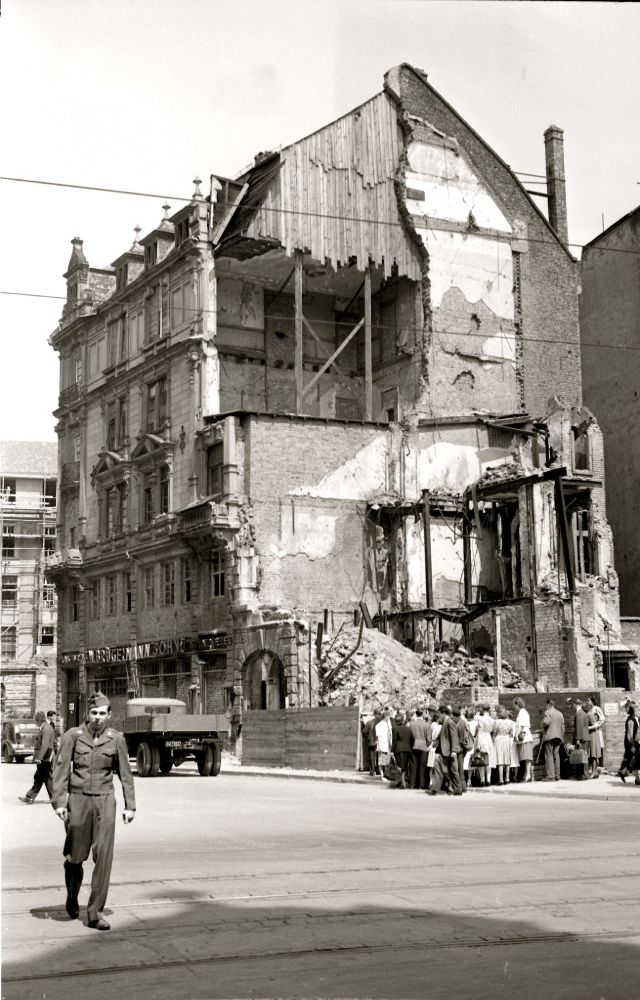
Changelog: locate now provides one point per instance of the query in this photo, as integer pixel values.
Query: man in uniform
(43, 758)
(84, 799)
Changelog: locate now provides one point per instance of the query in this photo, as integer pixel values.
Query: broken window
(156, 404)
(9, 591)
(582, 543)
(390, 404)
(581, 450)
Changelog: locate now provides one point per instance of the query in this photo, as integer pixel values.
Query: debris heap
(382, 671)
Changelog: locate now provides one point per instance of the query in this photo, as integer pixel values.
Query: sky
(145, 95)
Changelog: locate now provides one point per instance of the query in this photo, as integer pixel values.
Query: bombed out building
(348, 379)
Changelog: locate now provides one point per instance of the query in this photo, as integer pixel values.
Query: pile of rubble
(381, 671)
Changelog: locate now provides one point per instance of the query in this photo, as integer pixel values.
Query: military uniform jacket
(88, 767)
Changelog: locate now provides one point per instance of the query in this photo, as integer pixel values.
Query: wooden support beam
(298, 331)
(426, 526)
(368, 367)
(330, 360)
(320, 342)
(466, 556)
(561, 513)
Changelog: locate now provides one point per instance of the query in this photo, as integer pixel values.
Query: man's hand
(36, 762)
(62, 813)
(128, 815)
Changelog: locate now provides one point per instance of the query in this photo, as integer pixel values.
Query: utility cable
(289, 211)
(486, 335)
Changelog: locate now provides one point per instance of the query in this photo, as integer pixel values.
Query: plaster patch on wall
(481, 267)
(360, 478)
(456, 466)
(314, 535)
(451, 188)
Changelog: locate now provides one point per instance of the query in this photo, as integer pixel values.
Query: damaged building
(348, 380)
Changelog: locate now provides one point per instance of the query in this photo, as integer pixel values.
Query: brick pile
(384, 672)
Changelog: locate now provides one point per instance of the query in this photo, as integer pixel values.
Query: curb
(347, 779)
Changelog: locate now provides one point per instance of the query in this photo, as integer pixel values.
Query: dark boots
(73, 881)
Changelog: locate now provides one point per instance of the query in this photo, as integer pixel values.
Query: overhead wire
(503, 335)
(279, 211)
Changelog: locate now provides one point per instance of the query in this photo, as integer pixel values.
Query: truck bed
(170, 723)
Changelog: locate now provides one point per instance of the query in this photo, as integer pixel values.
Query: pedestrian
(433, 722)
(83, 797)
(401, 746)
(485, 745)
(472, 726)
(466, 742)
(552, 737)
(596, 719)
(384, 740)
(523, 740)
(369, 733)
(583, 737)
(420, 731)
(42, 757)
(631, 759)
(447, 750)
(504, 733)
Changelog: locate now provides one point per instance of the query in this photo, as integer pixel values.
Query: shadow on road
(213, 949)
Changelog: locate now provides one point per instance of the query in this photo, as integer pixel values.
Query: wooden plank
(368, 365)
(298, 355)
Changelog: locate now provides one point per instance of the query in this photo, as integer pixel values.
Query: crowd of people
(455, 747)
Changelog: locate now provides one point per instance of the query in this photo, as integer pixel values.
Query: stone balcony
(71, 394)
(208, 519)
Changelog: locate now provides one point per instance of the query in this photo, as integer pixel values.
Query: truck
(160, 734)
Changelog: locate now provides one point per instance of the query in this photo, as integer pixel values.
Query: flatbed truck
(160, 735)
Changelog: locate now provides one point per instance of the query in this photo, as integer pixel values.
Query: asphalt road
(242, 886)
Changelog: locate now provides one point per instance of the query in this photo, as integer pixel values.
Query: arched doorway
(264, 685)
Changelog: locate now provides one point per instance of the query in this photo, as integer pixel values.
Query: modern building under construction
(28, 495)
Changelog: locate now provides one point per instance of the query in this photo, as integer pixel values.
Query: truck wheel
(217, 761)
(7, 753)
(166, 762)
(205, 761)
(143, 760)
(155, 762)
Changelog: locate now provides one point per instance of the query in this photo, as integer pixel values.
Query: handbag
(478, 759)
(520, 736)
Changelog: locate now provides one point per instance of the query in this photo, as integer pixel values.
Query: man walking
(447, 750)
(552, 737)
(84, 799)
(421, 738)
(42, 758)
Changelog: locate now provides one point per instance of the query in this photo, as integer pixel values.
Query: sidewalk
(606, 788)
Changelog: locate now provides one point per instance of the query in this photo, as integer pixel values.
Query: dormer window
(182, 231)
(121, 277)
(150, 254)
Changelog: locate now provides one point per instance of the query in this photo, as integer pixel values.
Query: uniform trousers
(552, 758)
(91, 824)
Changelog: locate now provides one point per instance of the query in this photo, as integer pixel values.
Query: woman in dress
(503, 737)
(472, 726)
(484, 744)
(524, 739)
(435, 727)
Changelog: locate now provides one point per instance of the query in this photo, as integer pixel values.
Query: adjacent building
(28, 493)
(346, 382)
(610, 325)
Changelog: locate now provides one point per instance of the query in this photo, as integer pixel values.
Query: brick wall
(550, 336)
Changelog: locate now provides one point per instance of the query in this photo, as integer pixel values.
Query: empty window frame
(49, 539)
(49, 596)
(9, 642)
(581, 450)
(48, 635)
(8, 541)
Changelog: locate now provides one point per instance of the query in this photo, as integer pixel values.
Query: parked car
(18, 738)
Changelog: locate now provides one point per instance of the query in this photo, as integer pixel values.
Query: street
(245, 886)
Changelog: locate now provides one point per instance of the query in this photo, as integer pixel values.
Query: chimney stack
(556, 187)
